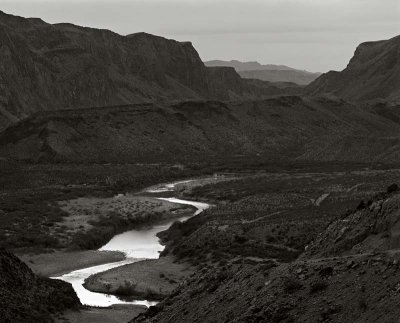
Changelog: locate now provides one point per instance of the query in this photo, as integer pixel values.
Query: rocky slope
(29, 298)
(288, 128)
(270, 72)
(372, 73)
(350, 274)
(49, 67)
(375, 226)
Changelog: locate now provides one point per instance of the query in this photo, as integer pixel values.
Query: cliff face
(48, 67)
(29, 298)
(372, 73)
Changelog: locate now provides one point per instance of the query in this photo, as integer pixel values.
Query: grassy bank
(58, 263)
(149, 279)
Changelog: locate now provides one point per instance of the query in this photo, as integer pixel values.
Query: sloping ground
(49, 67)
(372, 73)
(375, 226)
(25, 297)
(329, 291)
(359, 282)
(289, 128)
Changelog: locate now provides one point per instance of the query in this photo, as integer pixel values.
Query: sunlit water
(137, 245)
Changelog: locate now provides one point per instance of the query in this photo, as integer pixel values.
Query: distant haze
(315, 35)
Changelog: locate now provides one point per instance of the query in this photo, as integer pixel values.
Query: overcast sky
(317, 35)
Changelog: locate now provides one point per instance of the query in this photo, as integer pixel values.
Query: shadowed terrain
(51, 67)
(282, 128)
(25, 297)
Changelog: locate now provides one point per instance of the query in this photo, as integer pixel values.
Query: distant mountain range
(269, 72)
(248, 66)
(372, 74)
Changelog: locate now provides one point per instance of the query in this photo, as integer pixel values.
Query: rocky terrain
(25, 297)
(276, 129)
(269, 72)
(52, 67)
(372, 74)
(349, 273)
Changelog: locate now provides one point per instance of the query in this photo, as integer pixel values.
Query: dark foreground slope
(25, 297)
(49, 67)
(349, 274)
(283, 128)
(373, 73)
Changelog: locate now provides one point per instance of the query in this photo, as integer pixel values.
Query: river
(136, 244)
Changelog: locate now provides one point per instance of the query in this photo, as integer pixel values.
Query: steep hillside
(375, 226)
(269, 72)
(49, 67)
(372, 73)
(288, 128)
(349, 274)
(28, 298)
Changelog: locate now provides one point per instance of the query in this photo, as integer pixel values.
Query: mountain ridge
(280, 128)
(45, 66)
(373, 73)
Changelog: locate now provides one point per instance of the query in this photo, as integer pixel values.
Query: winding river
(137, 245)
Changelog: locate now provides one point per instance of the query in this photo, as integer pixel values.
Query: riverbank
(93, 221)
(152, 279)
(60, 262)
(85, 227)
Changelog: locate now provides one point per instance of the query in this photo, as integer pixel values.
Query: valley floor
(264, 217)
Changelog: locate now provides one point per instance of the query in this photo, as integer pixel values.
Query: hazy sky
(317, 35)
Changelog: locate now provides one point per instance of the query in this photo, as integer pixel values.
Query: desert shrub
(240, 239)
(318, 286)
(291, 284)
(392, 188)
(362, 304)
(127, 289)
(361, 205)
